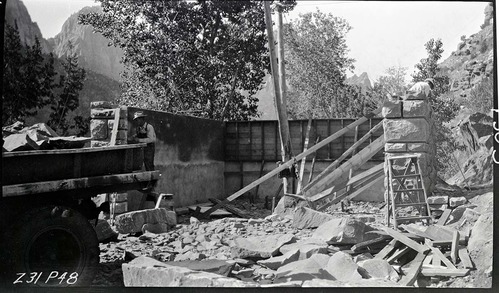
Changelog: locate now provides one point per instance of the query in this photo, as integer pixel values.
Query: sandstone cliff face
(473, 60)
(16, 13)
(92, 48)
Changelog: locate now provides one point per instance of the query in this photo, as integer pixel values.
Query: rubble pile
(340, 251)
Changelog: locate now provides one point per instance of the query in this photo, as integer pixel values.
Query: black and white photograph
(248, 144)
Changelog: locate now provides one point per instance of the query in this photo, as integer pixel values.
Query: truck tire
(57, 245)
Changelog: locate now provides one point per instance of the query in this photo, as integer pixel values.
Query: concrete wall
(251, 172)
(189, 155)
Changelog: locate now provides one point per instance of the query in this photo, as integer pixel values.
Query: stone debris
(379, 269)
(308, 218)
(260, 246)
(344, 231)
(342, 267)
(457, 201)
(132, 222)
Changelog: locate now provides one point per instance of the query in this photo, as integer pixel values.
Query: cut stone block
(147, 272)
(132, 222)
(391, 109)
(260, 246)
(415, 109)
(274, 263)
(344, 231)
(121, 207)
(441, 199)
(101, 105)
(379, 269)
(305, 218)
(122, 125)
(102, 113)
(457, 201)
(156, 228)
(98, 128)
(342, 267)
(307, 247)
(306, 269)
(406, 130)
(418, 147)
(104, 231)
(439, 207)
(410, 95)
(98, 143)
(395, 147)
(220, 267)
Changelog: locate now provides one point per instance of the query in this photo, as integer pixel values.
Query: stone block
(342, 267)
(275, 263)
(457, 201)
(305, 218)
(306, 246)
(406, 130)
(413, 109)
(121, 197)
(220, 267)
(306, 269)
(344, 231)
(410, 95)
(132, 222)
(395, 147)
(121, 207)
(440, 199)
(104, 231)
(122, 124)
(102, 113)
(438, 207)
(260, 246)
(98, 143)
(147, 272)
(156, 228)
(98, 128)
(420, 147)
(391, 109)
(101, 105)
(379, 269)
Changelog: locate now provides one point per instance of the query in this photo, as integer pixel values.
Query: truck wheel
(55, 245)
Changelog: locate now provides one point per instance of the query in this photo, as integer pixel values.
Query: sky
(384, 33)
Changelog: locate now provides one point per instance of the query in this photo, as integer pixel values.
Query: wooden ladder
(406, 189)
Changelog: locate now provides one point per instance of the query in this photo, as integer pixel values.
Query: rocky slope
(16, 13)
(473, 60)
(92, 48)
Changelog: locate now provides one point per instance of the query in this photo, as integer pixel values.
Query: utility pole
(279, 84)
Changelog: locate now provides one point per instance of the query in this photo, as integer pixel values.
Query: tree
(28, 78)
(70, 84)
(443, 105)
(391, 83)
(183, 57)
(316, 65)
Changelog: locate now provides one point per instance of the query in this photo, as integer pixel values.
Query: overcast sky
(384, 34)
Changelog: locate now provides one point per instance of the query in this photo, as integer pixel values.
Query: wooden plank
(78, 183)
(304, 160)
(351, 195)
(238, 212)
(386, 251)
(361, 245)
(338, 161)
(444, 217)
(311, 175)
(439, 254)
(289, 163)
(413, 270)
(436, 260)
(397, 254)
(114, 132)
(428, 259)
(465, 258)
(406, 240)
(445, 272)
(355, 162)
(454, 247)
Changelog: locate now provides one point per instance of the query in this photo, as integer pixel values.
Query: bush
(481, 96)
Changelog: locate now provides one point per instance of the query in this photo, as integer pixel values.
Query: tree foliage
(28, 78)
(188, 57)
(316, 65)
(70, 85)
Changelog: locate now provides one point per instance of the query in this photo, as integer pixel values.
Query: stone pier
(102, 123)
(409, 129)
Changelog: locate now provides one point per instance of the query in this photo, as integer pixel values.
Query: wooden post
(279, 90)
(304, 160)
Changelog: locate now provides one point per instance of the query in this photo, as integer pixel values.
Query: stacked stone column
(102, 123)
(409, 129)
(101, 128)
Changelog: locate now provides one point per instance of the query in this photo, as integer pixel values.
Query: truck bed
(53, 165)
